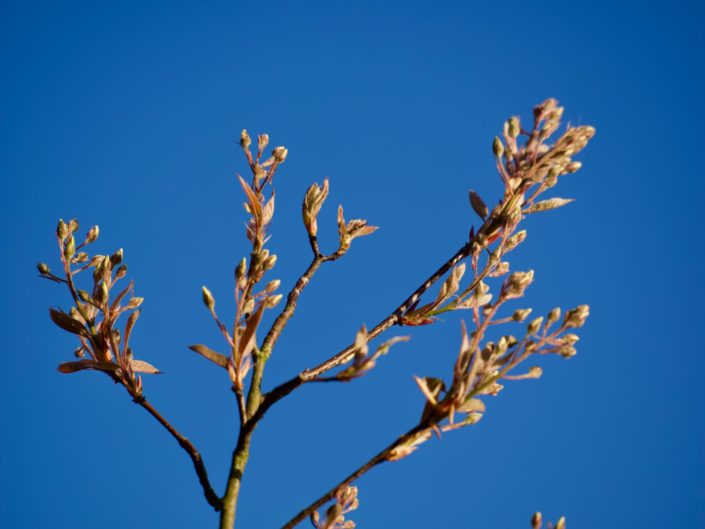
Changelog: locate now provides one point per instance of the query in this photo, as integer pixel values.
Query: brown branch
(288, 311)
(381, 457)
(211, 497)
(347, 354)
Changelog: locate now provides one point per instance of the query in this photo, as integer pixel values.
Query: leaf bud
(241, 269)
(536, 521)
(573, 167)
(103, 294)
(273, 285)
(280, 153)
(43, 268)
(249, 306)
(116, 258)
(520, 315)
(534, 326)
(553, 316)
(497, 147)
(70, 248)
(62, 230)
(513, 127)
(92, 234)
(270, 262)
(273, 301)
(245, 140)
(570, 339)
(121, 272)
(518, 281)
(85, 296)
(478, 205)
(560, 524)
(208, 299)
(515, 240)
(73, 226)
(576, 317)
(262, 141)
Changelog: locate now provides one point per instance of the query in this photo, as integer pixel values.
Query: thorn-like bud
(43, 268)
(534, 326)
(520, 315)
(280, 153)
(92, 234)
(497, 147)
(208, 299)
(245, 140)
(478, 205)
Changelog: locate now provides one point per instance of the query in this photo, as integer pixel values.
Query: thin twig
(381, 457)
(211, 497)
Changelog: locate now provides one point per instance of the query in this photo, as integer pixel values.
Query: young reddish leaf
(121, 295)
(247, 340)
(66, 322)
(210, 354)
(140, 366)
(252, 200)
(128, 328)
(80, 365)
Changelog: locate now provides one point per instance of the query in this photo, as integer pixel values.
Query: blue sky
(127, 114)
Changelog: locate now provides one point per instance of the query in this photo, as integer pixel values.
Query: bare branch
(198, 464)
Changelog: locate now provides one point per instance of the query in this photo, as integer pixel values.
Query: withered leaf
(210, 354)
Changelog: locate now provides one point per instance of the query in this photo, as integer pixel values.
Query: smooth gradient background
(126, 114)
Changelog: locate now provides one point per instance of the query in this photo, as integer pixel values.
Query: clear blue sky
(126, 114)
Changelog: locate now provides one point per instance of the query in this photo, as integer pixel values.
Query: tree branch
(381, 457)
(211, 497)
(344, 356)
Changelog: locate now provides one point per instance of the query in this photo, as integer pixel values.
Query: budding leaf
(66, 322)
(210, 354)
(140, 366)
(545, 205)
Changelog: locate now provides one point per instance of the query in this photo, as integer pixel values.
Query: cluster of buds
(94, 315)
(362, 360)
(313, 201)
(345, 501)
(347, 231)
(527, 168)
(249, 304)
